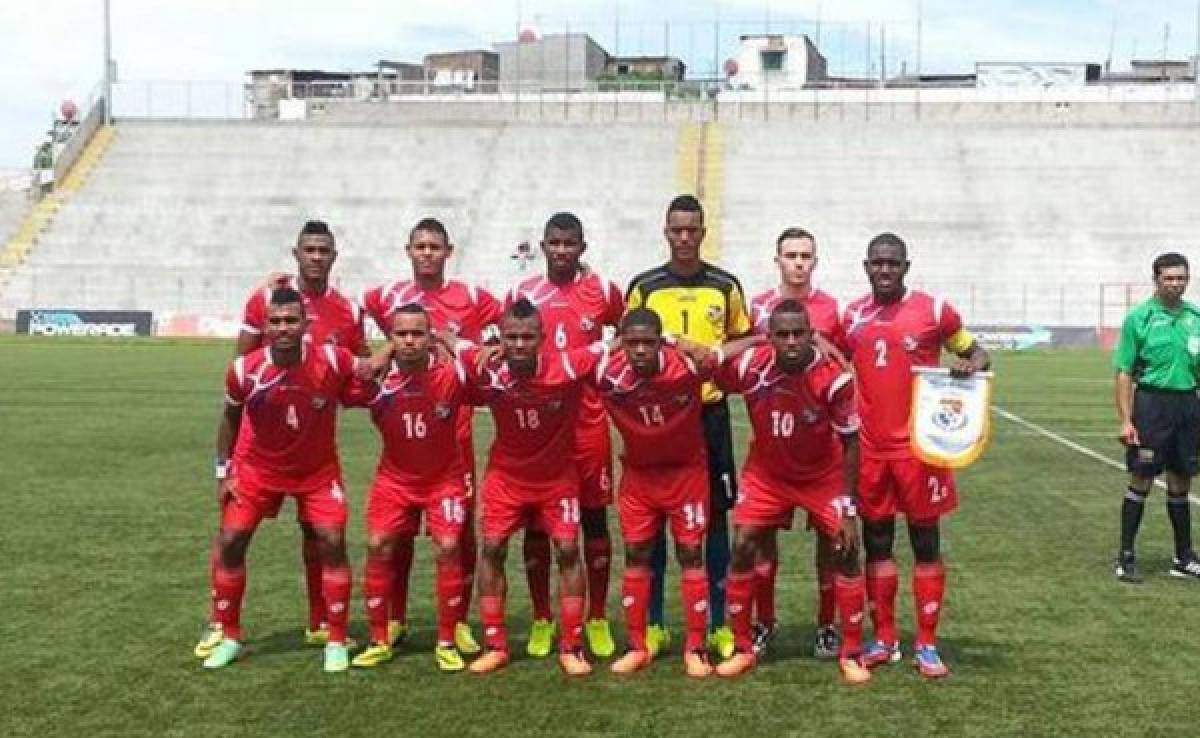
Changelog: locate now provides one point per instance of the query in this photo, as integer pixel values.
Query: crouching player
(415, 408)
(289, 393)
(804, 454)
(534, 398)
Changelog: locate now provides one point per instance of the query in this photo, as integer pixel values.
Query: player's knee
(926, 541)
(638, 554)
(231, 547)
(878, 539)
(332, 545)
(446, 550)
(566, 553)
(846, 562)
(746, 546)
(690, 557)
(827, 551)
(381, 547)
(494, 552)
(594, 522)
(308, 531)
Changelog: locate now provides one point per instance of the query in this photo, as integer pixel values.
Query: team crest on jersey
(910, 344)
(319, 402)
(554, 405)
(586, 324)
(442, 411)
(715, 314)
(683, 399)
(808, 416)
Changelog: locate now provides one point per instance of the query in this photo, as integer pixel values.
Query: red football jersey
(415, 414)
(574, 316)
(823, 313)
(795, 417)
(291, 412)
(658, 417)
(332, 318)
(535, 417)
(885, 343)
(456, 306)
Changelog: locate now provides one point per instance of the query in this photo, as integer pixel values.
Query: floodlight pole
(108, 80)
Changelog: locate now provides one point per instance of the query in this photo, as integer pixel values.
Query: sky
(53, 51)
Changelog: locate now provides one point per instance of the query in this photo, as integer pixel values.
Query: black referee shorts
(722, 473)
(1168, 426)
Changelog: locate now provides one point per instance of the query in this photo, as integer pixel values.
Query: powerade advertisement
(101, 323)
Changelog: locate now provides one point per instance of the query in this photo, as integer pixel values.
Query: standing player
(704, 304)
(415, 408)
(575, 305)
(332, 319)
(288, 393)
(802, 409)
(796, 257)
(1159, 350)
(465, 311)
(534, 397)
(888, 332)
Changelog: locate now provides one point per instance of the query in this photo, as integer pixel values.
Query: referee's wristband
(221, 470)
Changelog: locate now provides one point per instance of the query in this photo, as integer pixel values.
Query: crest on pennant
(950, 419)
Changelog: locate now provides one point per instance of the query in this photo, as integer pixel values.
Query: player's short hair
(685, 204)
(432, 225)
(644, 317)
(565, 222)
(411, 308)
(286, 296)
(786, 307)
(1169, 260)
(794, 232)
(315, 228)
(888, 239)
(523, 309)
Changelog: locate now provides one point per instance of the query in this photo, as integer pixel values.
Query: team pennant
(951, 418)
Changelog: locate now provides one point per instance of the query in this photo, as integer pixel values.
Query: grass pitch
(106, 452)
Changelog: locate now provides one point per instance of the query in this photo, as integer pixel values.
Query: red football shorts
(888, 487)
(509, 505)
(678, 494)
(320, 499)
(768, 502)
(593, 460)
(394, 509)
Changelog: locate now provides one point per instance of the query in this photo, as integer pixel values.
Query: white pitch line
(1097, 456)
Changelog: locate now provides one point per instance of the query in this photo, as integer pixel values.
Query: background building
(776, 61)
(556, 61)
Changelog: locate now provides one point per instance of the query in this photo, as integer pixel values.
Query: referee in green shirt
(1157, 359)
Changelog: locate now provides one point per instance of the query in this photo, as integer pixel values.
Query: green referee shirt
(1160, 348)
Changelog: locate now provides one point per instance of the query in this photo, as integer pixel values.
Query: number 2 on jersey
(880, 353)
(293, 418)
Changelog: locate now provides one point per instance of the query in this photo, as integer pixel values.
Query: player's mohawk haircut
(565, 222)
(641, 316)
(685, 204)
(522, 309)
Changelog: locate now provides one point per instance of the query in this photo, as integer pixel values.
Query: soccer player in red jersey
(653, 393)
(804, 454)
(888, 332)
(332, 319)
(465, 311)
(288, 393)
(575, 305)
(415, 407)
(533, 393)
(796, 257)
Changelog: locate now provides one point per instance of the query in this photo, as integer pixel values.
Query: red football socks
(739, 592)
(597, 558)
(850, 593)
(695, 605)
(377, 588)
(449, 600)
(401, 572)
(491, 613)
(881, 594)
(335, 588)
(228, 588)
(570, 613)
(537, 573)
(929, 589)
(635, 597)
(764, 591)
(826, 596)
(311, 550)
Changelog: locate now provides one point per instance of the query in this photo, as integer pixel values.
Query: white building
(775, 61)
